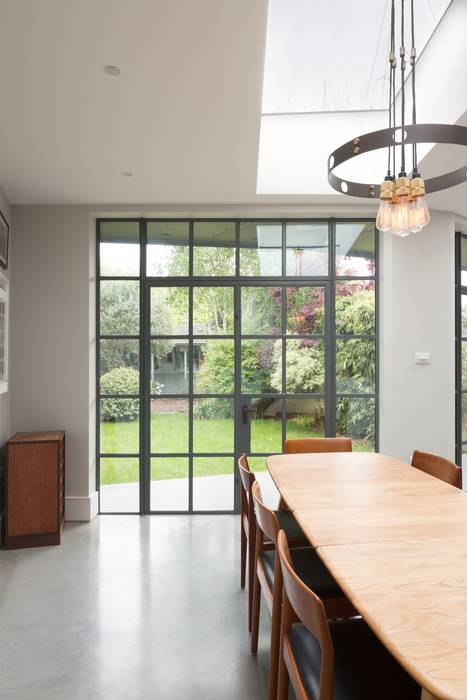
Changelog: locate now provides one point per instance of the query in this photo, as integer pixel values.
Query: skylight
(332, 55)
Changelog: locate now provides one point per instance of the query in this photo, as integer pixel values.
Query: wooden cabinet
(35, 489)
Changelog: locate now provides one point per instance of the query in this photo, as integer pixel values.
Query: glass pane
(355, 366)
(119, 485)
(119, 307)
(119, 249)
(213, 366)
(258, 464)
(356, 419)
(169, 366)
(119, 431)
(355, 308)
(464, 261)
(307, 250)
(464, 315)
(305, 418)
(266, 425)
(213, 483)
(464, 420)
(304, 366)
(260, 249)
(305, 310)
(213, 425)
(261, 310)
(169, 310)
(213, 310)
(167, 252)
(355, 249)
(261, 366)
(464, 364)
(169, 425)
(214, 251)
(119, 365)
(169, 483)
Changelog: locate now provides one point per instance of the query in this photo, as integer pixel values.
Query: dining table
(395, 540)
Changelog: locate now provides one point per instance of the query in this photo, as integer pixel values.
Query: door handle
(246, 410)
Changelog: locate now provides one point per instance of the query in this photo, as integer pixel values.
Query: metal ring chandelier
(403, 208)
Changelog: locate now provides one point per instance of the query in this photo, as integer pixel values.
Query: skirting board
(81, 508)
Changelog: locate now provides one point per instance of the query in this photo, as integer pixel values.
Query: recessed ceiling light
(127, 173)
(112, 70)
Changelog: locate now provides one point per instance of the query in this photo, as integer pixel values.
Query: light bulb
(419, 214)
(384, 217)
(400, 218)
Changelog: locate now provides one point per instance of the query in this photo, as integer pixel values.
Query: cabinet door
(32, 488)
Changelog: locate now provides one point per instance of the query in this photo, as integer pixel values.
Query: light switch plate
(422, 358)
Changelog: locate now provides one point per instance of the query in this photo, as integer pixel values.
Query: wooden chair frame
(439, 467)
(312, 445)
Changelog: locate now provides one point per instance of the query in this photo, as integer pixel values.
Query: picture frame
(4, 241)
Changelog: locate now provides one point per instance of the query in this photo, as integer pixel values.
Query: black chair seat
(287, 522)
(363, 668)
(309, 568)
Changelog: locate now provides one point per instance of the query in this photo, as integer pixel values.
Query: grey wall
(5, 398)
(53, 345)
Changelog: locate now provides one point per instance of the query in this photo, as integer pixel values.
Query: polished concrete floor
(130, 608)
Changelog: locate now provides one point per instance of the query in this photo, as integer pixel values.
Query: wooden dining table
(395, 539)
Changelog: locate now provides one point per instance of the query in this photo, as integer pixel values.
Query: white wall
(5, 398)
(417, 406)
(53, 345)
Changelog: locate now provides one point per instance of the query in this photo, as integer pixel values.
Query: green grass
(170, 434)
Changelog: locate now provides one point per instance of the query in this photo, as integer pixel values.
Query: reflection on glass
(355, 249)
(167, 252)
(169, 425)
(119, 426)
(261, 366)
(121, 359)
(213, 366)
(213, 425)
(355, 307)
(305, 310)
(464, 315)
(214, 251)
(213, 483)
(213, 310)
(464, 364)
(355, 418)
(266, 425)
(119, 249)
(169, 483)
(355, 366)
(261, 310)
(304, 366)
(169, 366)
(260, 249)
(304, 418)
(119, 307)
(169, 310)
(307, 249)
(119, 485)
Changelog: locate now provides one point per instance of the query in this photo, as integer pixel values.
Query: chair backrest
(247, 476)
(331, 444)
(265, 517)
(439, 467)
(310, 611)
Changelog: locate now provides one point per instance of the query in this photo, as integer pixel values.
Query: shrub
(122, 380)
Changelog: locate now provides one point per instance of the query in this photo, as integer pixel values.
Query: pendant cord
(402, 54)
(392, 77)
(413, 58)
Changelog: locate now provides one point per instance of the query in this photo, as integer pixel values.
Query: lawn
(170, 434)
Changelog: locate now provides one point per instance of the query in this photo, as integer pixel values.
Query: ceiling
(184, 116)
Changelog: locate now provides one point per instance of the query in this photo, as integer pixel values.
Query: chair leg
(255, 615)
(275, 643)
(243, 549)
(283, 680)
(251, 578)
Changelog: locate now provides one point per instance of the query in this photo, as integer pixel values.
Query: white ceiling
(184, 115)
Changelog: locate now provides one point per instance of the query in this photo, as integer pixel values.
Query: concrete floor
(130, 608)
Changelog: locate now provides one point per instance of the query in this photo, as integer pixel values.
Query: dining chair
(331, 660)
(308, 445)
(438, 467)
(248, 529)
(268, 580)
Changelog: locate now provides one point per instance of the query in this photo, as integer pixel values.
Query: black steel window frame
(237, 281)
(460, 291)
